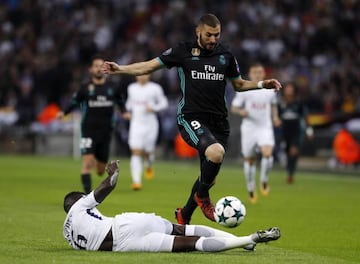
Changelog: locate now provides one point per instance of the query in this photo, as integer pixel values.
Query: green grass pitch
(319, 215)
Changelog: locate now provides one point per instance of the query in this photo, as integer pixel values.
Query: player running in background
(259, 112)
(145, 99)
(87, 228)
(203, 66)
(96, 99)
(293, 115)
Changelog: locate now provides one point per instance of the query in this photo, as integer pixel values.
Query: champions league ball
(229, 211)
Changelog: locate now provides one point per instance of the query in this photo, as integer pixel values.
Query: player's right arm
(239, 111)
(138, 68)
(74, 103)
(105, 188)
(238, 106)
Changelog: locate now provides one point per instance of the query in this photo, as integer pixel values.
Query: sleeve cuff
(161, 62)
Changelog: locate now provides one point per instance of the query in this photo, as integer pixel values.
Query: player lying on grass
(86, 228)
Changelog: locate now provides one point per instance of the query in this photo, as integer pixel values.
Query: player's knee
(251, 161)
(267, 154)
(87, 166)
(294, 151)
(137, 152)
(100, 172)
(215, 153)
(266, 151)
(87, 163)
(100, 168)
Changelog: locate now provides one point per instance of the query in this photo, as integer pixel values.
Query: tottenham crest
(195, 51)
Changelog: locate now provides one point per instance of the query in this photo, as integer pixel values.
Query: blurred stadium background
(45, 47)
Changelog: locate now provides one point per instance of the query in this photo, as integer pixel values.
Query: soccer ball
(229, 211)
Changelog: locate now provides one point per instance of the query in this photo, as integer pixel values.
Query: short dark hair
(70, 199)
(209, 19)
(95, 57)
(294, 85)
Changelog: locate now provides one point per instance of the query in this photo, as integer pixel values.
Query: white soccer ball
(229, 211)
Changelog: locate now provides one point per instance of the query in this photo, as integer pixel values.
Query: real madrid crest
(195, 51)
(222, 60)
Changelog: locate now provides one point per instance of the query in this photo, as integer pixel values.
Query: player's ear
(197, 32)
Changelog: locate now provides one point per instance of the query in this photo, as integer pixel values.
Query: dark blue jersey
(97, 105)
(202, 75)
(292, 115)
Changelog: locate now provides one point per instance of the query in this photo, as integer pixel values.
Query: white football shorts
(143, 136)
(142, 232)
(253, 138)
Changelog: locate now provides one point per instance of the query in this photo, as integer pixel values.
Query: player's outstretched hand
(112, 167)
(105, 188)
(110, 67)
(276, 122)
(272, 84)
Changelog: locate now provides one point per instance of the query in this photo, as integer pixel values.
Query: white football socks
(250, 173)
(266, 165)
(213, 244)
(150, 160)
(136, 168)
(205, 231)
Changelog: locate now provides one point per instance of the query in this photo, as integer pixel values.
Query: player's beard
(98, 76)
(207, 46)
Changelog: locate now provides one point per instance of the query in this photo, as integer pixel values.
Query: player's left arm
(275, 111)
(275, 115)
(105, 188)
(161, 100)
(241, 84)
